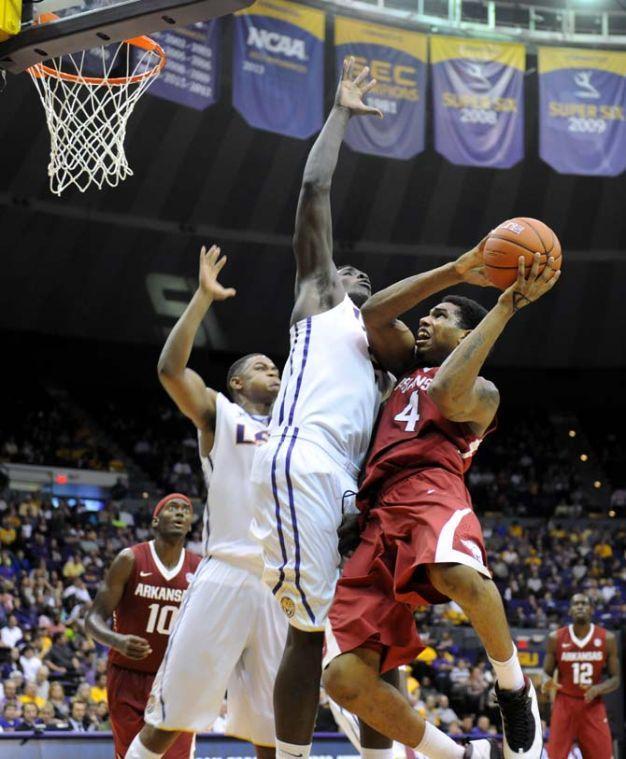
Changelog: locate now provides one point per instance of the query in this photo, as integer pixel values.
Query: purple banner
(582, 96)
(478, 99)
(190, 76)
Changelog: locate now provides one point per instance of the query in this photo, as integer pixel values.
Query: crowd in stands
(52, 560)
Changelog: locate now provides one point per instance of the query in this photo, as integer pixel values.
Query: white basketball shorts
(300, 494)
(229, 636)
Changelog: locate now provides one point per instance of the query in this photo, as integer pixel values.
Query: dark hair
(471, 313)
(236, 369)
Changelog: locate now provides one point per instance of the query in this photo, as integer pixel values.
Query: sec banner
(478, 100)
(397, 60)
(278, 67)
(582, 96)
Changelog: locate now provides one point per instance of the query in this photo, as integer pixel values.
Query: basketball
(514, 238)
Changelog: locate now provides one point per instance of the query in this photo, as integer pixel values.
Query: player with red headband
(142, 591)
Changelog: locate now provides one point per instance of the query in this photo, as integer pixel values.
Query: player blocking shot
(305, 478)
(230, 634)
(142, 591)
(421, 541)
(576, 658)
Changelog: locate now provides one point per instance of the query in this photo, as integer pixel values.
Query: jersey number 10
(410, 413)
(161, 618)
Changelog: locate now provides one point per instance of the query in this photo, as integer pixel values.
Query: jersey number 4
(582, 673)
(410, 413)
(161, 618)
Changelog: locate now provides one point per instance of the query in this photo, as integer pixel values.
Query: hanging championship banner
(582, 96)
(278, 67)
(191, 75)
(478, 99)
(397, 60)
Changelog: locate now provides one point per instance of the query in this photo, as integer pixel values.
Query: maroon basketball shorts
(426, 518)
(128, 692)
(587, 724)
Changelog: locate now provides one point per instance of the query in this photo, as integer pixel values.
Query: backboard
(84, 24)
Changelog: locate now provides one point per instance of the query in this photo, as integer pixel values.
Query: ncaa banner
(582, 97)
(278, 67)
(478, 101)
(397, 60)
(191, 75)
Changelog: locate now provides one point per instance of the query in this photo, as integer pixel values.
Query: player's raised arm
(186, 387)
(317, 284)
(459, 393)
(391, 341)
(613, 681)
(106, 601)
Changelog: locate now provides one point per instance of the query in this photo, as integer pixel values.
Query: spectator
(60, 659)
(49, 721)
(446, 714)
(59, 701)
(29, 696)
(482, 728)
(99, 690)
(11, 634)
(30, 718)
(78, 591)
(103, 716)
(30, 663)
(42, 682)
(73, 568)
(9, 692)
(79, 722)
(10, 718)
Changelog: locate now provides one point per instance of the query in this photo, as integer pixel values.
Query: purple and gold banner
(191, 75)
(278, 67)
(478, 99)
(397, 60)
(582, 96)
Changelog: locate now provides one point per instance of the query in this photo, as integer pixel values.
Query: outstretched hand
(210, 266)
(524, 291)
(352, 89)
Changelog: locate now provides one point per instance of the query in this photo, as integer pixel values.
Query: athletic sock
(137, 750)
(438, 745)
(509, 673)
(290, 750)
(376, 753)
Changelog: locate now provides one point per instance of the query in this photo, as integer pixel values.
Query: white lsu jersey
(228, 511)
(330, 392)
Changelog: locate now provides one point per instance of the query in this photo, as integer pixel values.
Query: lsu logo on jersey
(288, 606)
(245, 436)
(273, 42)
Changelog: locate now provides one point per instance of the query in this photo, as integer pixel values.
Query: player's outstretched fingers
(521, 272)
(348, 63)
(534, 269)
(362, 75)
(548, 270)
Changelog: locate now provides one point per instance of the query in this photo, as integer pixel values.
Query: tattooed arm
(459, 393)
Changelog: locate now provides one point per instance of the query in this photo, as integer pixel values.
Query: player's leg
(127, 695)
(205, 644)
(594, 732)
(480, 599)
(251, 686)
(563, 727)
(353, 680)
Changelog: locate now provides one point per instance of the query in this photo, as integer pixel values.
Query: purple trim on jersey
(281, 415)
(294, 522)
(305, 353)
(279, 524)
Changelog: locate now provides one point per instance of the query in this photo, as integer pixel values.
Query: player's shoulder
(192, 558)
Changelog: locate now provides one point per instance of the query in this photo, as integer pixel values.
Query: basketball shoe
(521, 724)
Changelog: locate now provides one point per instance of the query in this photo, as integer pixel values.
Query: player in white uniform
(230, 634)
(306, 476)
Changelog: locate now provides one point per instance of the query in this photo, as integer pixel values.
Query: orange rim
(40, 70)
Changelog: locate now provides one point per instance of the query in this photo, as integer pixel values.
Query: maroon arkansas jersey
(150, 603)
(412, 434)
(580, 663)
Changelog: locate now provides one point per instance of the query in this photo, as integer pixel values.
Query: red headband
(166, 499)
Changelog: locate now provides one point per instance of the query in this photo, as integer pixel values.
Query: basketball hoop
(87, 115)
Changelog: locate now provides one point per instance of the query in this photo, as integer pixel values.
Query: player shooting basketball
(143, 590)
(422, 542)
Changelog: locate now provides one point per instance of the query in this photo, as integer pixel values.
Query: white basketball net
(87, 113)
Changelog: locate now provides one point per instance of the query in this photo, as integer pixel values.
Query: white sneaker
(482, 749)
(521, 723)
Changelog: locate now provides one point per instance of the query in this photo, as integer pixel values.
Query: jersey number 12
(583, 673)
(410, 413)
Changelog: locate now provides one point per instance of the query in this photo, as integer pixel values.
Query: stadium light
(572, 433)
